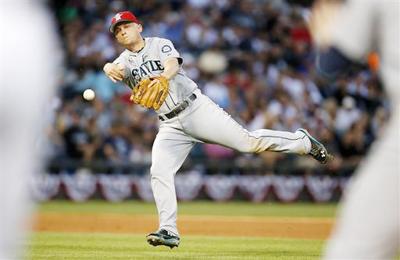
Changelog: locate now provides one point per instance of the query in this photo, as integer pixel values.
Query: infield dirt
(282, 227)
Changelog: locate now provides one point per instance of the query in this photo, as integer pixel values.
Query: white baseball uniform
(368, 226)
(199, 120)
(28, 72)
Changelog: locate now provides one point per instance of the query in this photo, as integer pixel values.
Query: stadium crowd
(267, 80)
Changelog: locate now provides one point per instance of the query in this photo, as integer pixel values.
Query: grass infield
(77, 245)
(197, 208)
(119, 246)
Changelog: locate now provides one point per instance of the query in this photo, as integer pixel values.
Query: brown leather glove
(150, 92)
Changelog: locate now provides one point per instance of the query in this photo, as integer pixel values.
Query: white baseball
(89, 94)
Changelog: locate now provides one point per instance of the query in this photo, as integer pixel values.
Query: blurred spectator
(77, 140)
(346, 115)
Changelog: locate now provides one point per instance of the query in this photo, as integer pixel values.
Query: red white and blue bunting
(287, 188)
(84, 185)
(44, 187)
(79, 186)
(115, 187)
(342, 183)
(143, 187)
(255, 188)
(188, 185)
(321, 188)
(220, 187)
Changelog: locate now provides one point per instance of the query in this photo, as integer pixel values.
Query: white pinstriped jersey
(149, 62)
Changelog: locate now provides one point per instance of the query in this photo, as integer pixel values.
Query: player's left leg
(206, 121)
(170, 150)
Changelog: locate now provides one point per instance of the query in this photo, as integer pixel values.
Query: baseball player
(29, 67)
(368, 226)
(152, 68)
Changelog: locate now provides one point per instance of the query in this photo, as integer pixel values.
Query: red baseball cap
(120, 17)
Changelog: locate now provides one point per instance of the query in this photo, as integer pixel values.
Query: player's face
(128, 33)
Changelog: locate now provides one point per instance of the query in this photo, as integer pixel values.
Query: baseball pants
(205, 121)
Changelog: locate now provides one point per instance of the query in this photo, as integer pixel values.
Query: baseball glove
(150, 92)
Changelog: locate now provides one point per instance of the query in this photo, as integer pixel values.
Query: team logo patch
(118, 17)
(166, 48)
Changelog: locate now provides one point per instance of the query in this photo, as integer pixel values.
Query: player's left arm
(171, 68)
(151, 92)
(169, 57)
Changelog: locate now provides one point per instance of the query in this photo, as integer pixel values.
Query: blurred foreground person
(368, 224)
(27, 77)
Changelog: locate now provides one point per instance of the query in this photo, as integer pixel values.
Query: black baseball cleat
(163, 238)
(318, 150)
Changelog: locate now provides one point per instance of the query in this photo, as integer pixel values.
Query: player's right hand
(115, 72)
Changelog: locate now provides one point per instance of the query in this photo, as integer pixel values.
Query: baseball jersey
(149, 62)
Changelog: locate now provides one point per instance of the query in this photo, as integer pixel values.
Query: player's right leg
(210, 123)
(170, 150)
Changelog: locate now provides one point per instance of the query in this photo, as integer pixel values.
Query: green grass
(197, 208)
(55, 245)
(117, 246)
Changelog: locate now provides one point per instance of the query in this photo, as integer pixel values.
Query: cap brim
(112, 27)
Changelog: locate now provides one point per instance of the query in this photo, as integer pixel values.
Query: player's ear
(139, 27)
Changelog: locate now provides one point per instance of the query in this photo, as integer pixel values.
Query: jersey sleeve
(122, 60)
(354, 30)
(167, 50)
